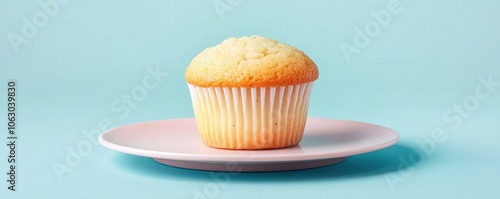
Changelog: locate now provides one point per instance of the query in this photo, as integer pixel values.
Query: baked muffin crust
(251, 62)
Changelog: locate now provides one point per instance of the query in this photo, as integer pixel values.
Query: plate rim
(241, 158)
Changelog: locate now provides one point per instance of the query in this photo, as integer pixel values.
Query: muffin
(251, 93)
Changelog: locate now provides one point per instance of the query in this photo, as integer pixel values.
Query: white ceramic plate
(176, 143)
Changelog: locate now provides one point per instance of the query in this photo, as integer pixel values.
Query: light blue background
(90, 53)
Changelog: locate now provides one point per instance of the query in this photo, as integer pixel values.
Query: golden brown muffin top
(251, 62)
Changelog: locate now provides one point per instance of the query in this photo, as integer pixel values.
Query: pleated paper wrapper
(251, 118)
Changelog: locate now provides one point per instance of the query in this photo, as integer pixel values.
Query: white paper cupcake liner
(251, 118)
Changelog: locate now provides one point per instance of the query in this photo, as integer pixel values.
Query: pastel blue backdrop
(428, 69)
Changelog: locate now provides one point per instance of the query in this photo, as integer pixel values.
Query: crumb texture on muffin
(251, 62)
